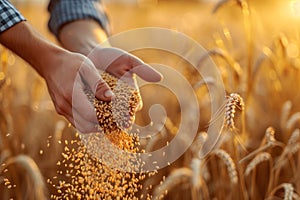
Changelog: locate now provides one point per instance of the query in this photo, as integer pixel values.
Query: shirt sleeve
(64, 11)
(9, 15)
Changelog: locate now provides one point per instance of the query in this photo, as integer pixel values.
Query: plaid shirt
(9, 16)
(61, 12)
(64, 11)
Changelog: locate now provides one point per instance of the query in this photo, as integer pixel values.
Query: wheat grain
(103, 165)
(225, 157)
(261, 157)
(118, 113)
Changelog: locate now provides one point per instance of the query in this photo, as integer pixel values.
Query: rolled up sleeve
(9, 15)
(65, 11)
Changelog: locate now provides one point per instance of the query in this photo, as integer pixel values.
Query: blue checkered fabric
(64, 11)
(9, 16)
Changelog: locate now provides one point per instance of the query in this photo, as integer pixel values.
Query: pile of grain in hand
(103, 165)
(118, 113)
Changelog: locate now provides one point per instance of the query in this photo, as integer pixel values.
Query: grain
(105, 165)
(118, 113)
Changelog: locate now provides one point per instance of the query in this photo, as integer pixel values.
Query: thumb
(90, 75)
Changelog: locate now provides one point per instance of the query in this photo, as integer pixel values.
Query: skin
(60, 67)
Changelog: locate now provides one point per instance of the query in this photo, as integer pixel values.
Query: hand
(66, 82)
(123, 65)
(84, 36)
(63, 71)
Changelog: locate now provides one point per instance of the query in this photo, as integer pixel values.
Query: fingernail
(108, 93)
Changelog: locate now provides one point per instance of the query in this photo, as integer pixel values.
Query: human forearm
(66, 74)
(81, 36)
(32, 47)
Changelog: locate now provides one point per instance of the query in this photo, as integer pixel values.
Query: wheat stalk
(270, 142)
(291, 148)
(294, 137)
(231, 169)
(285, 112)
(288, 191)
(261, 157)
(177, 176)
(256, 161)
(33, 171)
(292, 121)
(238, 71)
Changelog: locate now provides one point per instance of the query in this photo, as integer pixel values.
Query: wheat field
(256, 47)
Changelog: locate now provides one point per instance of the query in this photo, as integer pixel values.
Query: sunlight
(295, 8)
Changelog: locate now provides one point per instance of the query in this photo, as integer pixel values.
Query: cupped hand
(123, 65)
(66, 82)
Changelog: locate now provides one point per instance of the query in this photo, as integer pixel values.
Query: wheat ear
(176, 177)
(234, 102)
(226, 158)
(288, 191)
(33, 171)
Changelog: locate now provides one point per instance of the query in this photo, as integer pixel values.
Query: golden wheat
(256, 161)
(234, 101)
(231, 169)
(177, 176)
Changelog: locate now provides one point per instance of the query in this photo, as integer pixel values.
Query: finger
(91, 76)
(144, 71)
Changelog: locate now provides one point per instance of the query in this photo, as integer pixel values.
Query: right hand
(66, 82)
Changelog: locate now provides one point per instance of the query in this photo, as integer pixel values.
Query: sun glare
(295, 8)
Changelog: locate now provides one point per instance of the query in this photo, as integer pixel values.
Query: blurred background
(29, 122)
